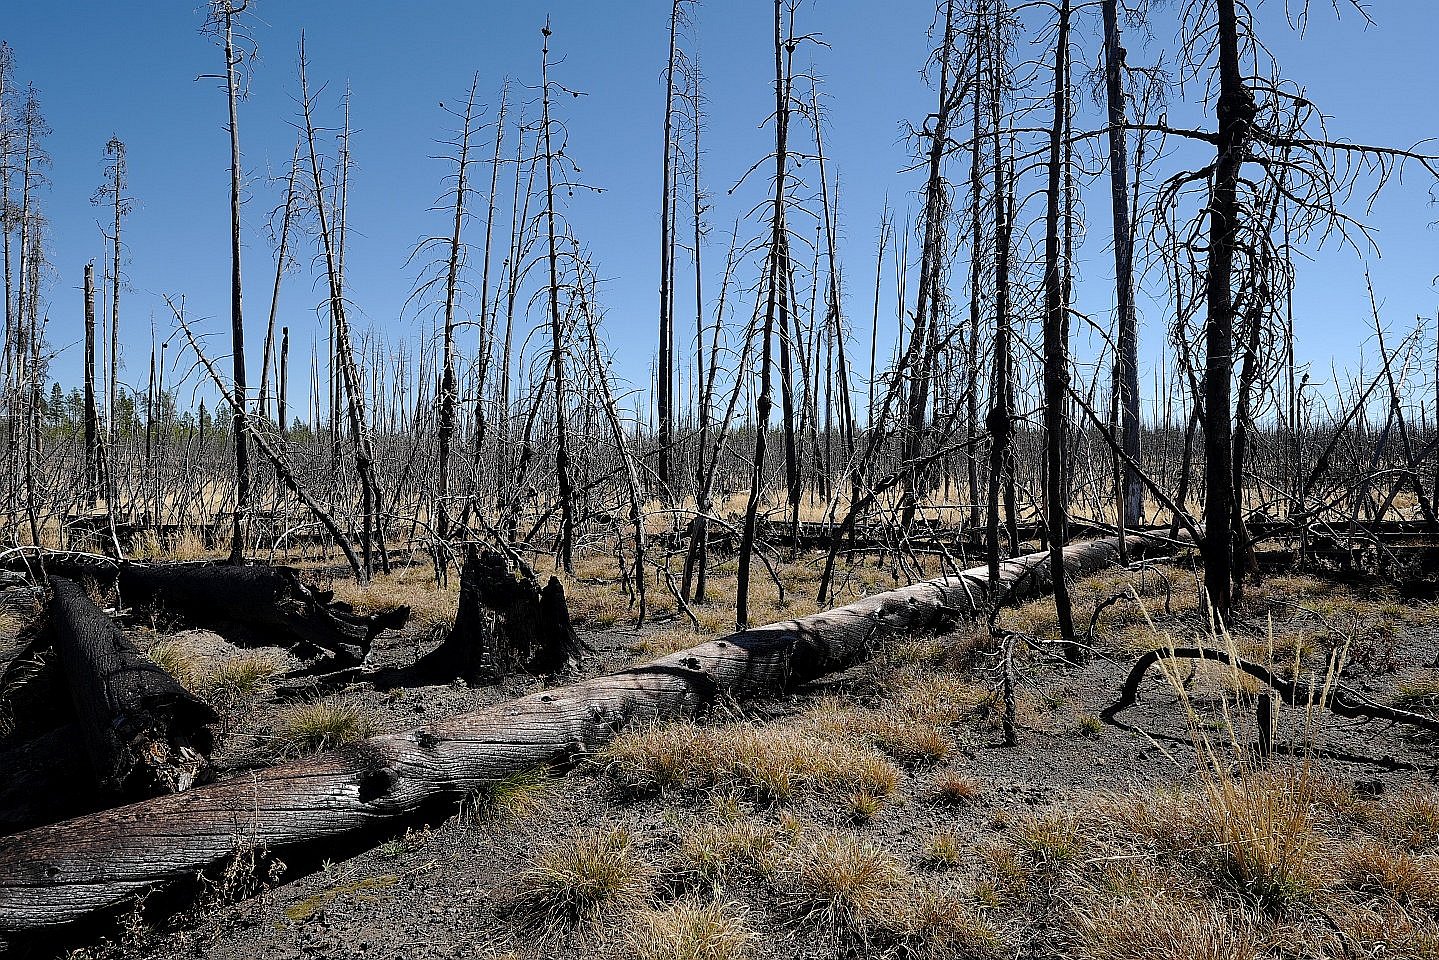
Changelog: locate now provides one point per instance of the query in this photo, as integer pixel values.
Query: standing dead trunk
(1056, 344)
(664, 372)
(557, 354)
(920, 358)
(282, 254)
(449, 388)
(776, 273)
(1126, 377)
(227, 10)
(1236, 110)
(92, 426)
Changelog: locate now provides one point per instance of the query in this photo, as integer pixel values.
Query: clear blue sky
(131, 69)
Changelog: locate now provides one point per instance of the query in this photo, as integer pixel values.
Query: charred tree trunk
(1236, 111)
(272, 602)
(1126, 362)
(505, 622)
(228, 11)
(1056, 345)
(92, 426)
(144, 734)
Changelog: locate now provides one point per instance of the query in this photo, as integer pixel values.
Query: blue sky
(131, 69)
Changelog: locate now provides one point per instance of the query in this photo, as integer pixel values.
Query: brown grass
(770, 762)
(689, 930)
(597, 875)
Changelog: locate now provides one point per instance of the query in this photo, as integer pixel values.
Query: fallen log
(1336, 697)
(63, 872)
(273, 600)
(142, 731)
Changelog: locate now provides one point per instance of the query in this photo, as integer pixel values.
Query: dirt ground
(879, 812)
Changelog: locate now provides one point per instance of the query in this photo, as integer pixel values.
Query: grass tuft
(309, 728)
(597, 875)
(692, 931)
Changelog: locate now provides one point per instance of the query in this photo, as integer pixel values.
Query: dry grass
(231, 678)
(1410, 819)
(944, 850)
(309, 728)
(692, 931)
(581, 882)
(1053, 840)
(938, 926)
(662, 643)
(1420, 693)
(770, 762)
(516, 797)
(715, 851)
(1378, 867)
(1164, 926)
(1266, 842)
(839, 882)
(955, 790)
(410, 585)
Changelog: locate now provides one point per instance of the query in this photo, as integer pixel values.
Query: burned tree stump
(143, 733)
(504, 623)
(271, 600)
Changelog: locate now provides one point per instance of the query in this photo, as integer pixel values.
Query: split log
(143, 733)
(60, 873)
(271, 600)
(505, 622)
(1337, 697)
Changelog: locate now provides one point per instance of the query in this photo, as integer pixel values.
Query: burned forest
(1008, 528)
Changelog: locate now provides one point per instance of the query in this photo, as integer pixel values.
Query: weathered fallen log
(60, 873)
(142, 731)
(270, 599)
(1338, 698)
(505, 622)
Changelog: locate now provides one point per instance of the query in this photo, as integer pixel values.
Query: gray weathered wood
(60, 873)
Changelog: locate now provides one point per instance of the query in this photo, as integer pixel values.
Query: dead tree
(273, 604)
(1056, 343)
(144, 734)
(1126, 362)
(505, 623)
(557, 352)
(282, 254)
(223, 13)
(664, 373)
(920, 360)
(92, 432)
(370, 494)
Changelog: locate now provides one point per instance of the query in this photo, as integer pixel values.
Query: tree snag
(505, 622)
